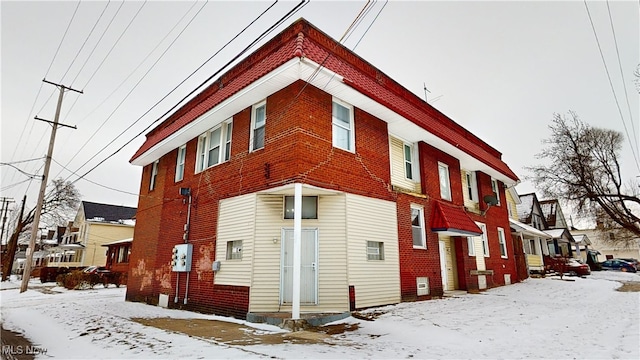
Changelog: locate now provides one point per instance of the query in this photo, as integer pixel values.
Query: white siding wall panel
(235, 222)
(396, 147)
(333, 290)
(376, 282)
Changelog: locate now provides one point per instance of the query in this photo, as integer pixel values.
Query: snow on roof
(123, 241)
(525, 206)
(529, 230)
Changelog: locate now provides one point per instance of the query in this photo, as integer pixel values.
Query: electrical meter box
(181, 258)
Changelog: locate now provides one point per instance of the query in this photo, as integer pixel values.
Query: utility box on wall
(181, 258)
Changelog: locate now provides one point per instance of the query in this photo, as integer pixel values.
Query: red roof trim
(453, 219)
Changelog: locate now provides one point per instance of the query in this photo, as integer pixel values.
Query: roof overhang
(123, 241)
(452, 221)
(527, 229)
(307, 190)
(300, 68)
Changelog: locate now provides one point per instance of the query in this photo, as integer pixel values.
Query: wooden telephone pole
(26, 274)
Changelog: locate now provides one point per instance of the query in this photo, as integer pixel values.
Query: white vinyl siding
(375, 282)
(333, 289)
(445, 183)
(235, 223)
(182, 153)
(398, 166)
(343, 134)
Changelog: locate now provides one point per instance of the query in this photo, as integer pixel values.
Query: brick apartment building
(304, 153)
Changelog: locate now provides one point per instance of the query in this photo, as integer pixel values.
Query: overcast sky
(500, 69)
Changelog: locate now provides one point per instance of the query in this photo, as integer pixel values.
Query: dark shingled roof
(108, 212)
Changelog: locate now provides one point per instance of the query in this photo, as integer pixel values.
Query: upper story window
(342, 119)
(214, 146)
(182, 152)
(494, 187)
(258, 122)
(502, 242)
(472, 187)
(417, 226)
(484, 239)
(154, 175)
(445, 185)
(408, 161)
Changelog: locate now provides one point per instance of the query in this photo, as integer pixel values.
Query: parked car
(95, 270)
(618, 264)
(575, 267)
(631, 261)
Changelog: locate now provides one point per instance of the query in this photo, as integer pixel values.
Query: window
(408, 161)
(182, 152)
(471, 244)
(417, 226)
(154, 175)
(123, 254)
(494, 187)
(445, 186)
(472, 188)
(214, 146)
(258, 122)
(375, 250)
(234, 250)
(503, 243)
(309, 207)
(342, 115)
(532, 247)
(483, 238)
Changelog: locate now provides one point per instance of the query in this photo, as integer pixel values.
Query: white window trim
(180, 163)
(253, 124)
(445, 166)
(379, 248)
(496, 189)
(204, 144)
(422, 227)
(471, 244)
(502, 240)
(414, 163)
(352, 130)
(154, 175)
(473, 185)
(230, 256)
(484, 238)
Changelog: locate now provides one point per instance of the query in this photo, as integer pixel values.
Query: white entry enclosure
(308, 267)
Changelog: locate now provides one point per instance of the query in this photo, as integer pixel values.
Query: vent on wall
(422, 285)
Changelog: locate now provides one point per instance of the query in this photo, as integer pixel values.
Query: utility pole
(3, 213)
(12, 244)
(26, 275)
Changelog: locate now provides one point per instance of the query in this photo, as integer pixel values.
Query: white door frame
(314, 264)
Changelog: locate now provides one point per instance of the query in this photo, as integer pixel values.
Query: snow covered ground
(539, 318)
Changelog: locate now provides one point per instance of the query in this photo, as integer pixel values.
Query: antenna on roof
(425, 91)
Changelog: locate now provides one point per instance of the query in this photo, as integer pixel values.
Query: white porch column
(297, 249)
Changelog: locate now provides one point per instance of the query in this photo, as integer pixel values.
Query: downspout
(186, 241)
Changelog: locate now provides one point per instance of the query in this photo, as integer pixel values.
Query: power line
(62, 40)
(611, 84)
(93, 182)
(31, 176)
(624, 82)
(286, 16)
(138, 83)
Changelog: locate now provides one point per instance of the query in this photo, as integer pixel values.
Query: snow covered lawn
(540, 318)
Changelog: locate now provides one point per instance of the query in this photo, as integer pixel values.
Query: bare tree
(61, 200)
(583, 169)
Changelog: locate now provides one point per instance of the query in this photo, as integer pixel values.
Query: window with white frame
(234, 250)
(408, 161)
(309, 207)
(532, 247)
(484, 239)
(342, 128)
(472, 187)
(214, 146)
(503, 243)
(258, 122)
(494, 187)
(182, 152)
(471, 244)
(375, 250)
(417, 226)
(445, 184)
(154, 175)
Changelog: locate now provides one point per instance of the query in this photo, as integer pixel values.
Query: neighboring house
(582, 244)
(95, 224)
(530, 227)
(527, 240)
(604, 242)
(562, 242)
(304, 153)
(118, 253)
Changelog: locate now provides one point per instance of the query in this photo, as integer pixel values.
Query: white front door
(308, 267)
(443, 265)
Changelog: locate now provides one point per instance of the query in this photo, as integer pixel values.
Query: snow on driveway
(539, 318)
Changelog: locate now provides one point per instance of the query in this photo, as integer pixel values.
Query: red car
(576, 268)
